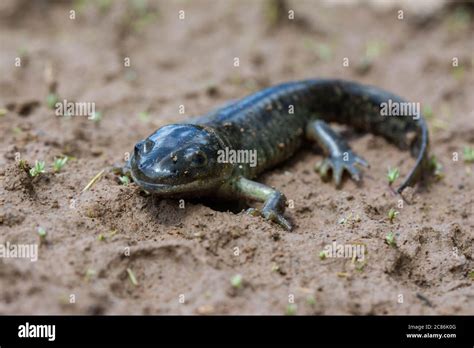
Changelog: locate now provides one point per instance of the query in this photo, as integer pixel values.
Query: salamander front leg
(274, 205)
(340, 155)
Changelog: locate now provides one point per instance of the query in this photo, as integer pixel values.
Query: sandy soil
(184, 260)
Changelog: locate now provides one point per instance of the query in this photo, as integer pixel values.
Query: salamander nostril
(137, 149)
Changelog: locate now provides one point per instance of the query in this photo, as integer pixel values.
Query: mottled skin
(182, 159)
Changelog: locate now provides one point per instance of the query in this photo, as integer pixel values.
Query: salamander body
(186, 159)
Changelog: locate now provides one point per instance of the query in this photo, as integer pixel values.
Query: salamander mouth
(173, 189)
(170, 190)
(159, 188)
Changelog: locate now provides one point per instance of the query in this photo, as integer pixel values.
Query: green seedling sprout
(275, 12)
(322, 255)
(144, 116)
(236, 281)
(427, 111)
(104, 5)
(392, 175)
(42, 234)
(37, 169)
(125, 180)
(458, 73)
(459, 20)
(360, 265)
(390, 239)
(22, 52)
(144, 20)
(324, 52)
(90, 273)
(436, 167)
(311, 300)
(373, 49)
(101, 237)
(17, 130)
(392, 213)
(51, 100)
(96, 116)
(291, 309)
(351, 218)
(468, 154)
(80, 5)
(59, 163)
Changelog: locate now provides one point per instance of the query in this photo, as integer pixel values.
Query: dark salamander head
(179, 159)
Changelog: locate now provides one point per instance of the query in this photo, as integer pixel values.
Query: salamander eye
(199, 159)
(144, 147)
(148, 146)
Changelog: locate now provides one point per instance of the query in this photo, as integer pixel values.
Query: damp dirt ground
(114, 250)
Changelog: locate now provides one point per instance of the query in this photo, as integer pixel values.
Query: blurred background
(140, 62)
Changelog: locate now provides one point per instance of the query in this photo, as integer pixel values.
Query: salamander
(183, 159)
